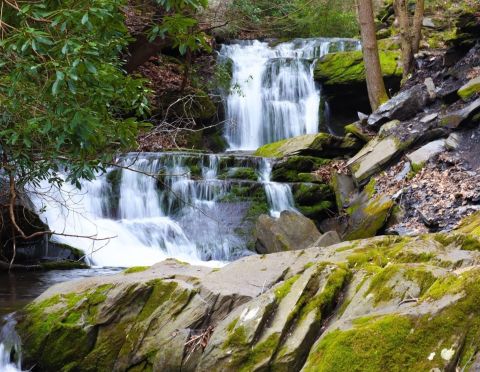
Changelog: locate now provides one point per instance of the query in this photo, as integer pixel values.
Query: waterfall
(10, 349)
(274, 95)
(279, 195)
(158, 205)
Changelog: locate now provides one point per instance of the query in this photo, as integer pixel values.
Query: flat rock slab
(424, 153)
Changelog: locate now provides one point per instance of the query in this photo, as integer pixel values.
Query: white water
(279, 195)
(135, 220)
(9, 345)
(275, 95)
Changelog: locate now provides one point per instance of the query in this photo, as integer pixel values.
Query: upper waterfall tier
(273, 94)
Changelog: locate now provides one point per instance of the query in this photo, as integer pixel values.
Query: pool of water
(17, 289)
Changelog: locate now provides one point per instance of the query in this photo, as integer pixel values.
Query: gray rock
(388, 128)
(453, 141)
(327, 239)
(430, 88)
(343, 187)
(402, 106)
(374, 156)
(292, 231)
(455, 119)
(426, 152)
(428, 22)
(429, 118)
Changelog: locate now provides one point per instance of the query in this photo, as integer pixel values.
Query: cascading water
(275, 95)
(159, 205)
(10, 349)
(279, 195)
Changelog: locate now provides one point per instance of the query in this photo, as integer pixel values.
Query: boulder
(420, 156)
(315, 201)
(374, 156)
(401, 107)
(291, 231)
(367, 215)
(327, 239)
(343, 187)
(358, 130)
(345, 68)
(454, 119)
(321, 144)
(470, 89)
(377, 304)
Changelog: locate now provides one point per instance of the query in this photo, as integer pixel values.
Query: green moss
(242, 174)
(317, 210)
(284, 289)
(162, 291)
(259, 353)
(469, 89)
(349, 68)
(237, 337)
(63, 265)
(135, 269)
(357, 131)
(271, 150)
(370, 187)
(470, 225)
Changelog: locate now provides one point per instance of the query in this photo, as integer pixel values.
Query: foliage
(298, 18)
(63, 93)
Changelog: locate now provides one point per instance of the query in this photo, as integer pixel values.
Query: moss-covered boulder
(344, 68)
(384, 303)
(322, 145)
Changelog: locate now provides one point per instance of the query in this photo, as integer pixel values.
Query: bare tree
(373, 71)
(410, 31)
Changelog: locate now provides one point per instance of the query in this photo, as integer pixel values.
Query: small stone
(428, 22)
(453, 141)
(430, 87)
(447, 354)
(429, 118)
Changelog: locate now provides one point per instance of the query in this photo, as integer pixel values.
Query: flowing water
(274, 95)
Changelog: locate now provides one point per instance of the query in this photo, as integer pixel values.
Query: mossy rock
(470, 89)
(345, 68)
(241, 173)
(308, 194)
(322, 145)
(358, 131)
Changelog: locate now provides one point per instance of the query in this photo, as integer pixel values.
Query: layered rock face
(384, 303)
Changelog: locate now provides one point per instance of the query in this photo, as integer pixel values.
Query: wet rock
(425, 153)
(322, 145)
(291, 231)
(470, 89)
(454, 119)
(401, 107)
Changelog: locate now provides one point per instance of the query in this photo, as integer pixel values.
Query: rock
(455, 119)
(291, 231)
(428, 22)
(359, 131)
(401, 107)
(345, 68)
(313, 200)
(470, 89)
(343, 187)
(388, 128)
(321, 145)
(327, 239)
(377, 303)
(419, 157)
(429, 118)
(453, 141)
(374, 156)
(290, 168)
(432, 92)
(367, 215)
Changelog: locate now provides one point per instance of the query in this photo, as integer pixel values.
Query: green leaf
(90, 67)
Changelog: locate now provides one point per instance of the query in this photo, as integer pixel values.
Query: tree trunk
(417, 25)
(373, 71)
(401, 11)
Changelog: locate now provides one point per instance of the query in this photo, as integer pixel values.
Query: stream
(191, 206)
